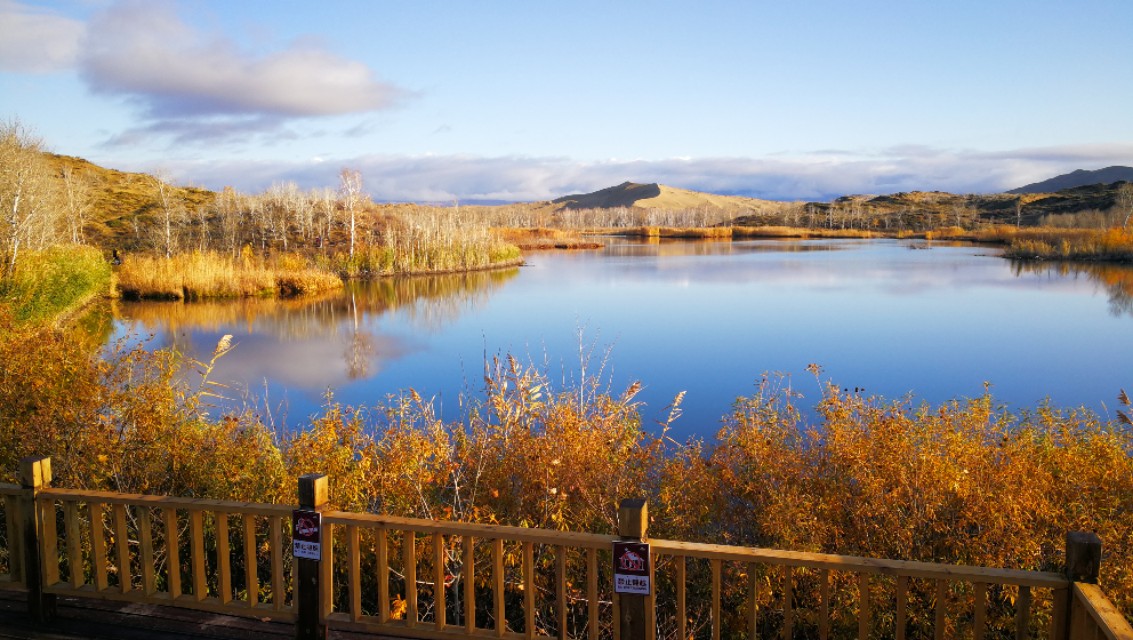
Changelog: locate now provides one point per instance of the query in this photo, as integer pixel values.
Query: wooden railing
(227, 557)
(11, 556)
(414, 578)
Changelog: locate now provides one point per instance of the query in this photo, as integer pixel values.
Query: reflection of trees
(430, 300)
(360, 347)
(1117, 279)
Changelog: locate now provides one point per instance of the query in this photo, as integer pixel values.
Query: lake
(894, 317)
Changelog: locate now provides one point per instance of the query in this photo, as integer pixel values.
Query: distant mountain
(1079, 178)
(658, 196)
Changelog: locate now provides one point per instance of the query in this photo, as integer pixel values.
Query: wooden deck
(94, 619)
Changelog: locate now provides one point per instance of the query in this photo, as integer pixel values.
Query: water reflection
(317, 342)
(1116, 279)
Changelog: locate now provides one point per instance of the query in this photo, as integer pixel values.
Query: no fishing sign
(631, 568)
(306, 527)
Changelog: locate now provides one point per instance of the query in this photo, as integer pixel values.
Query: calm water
(708, 318)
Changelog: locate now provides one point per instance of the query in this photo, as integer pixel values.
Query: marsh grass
(431, 240)
(51, 282)
(799, 232)
(1107, 245)
(203, 275)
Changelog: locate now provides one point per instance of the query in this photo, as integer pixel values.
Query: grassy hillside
(120, 203)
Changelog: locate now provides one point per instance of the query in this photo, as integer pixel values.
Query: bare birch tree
(29, 211)
(350, 190)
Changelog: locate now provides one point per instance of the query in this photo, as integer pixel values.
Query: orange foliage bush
(964, 482)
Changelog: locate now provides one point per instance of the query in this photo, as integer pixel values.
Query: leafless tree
(29, 211)
(76, 190)
(350, 189)
(1125, 202)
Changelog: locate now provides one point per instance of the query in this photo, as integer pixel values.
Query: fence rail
(427, 579)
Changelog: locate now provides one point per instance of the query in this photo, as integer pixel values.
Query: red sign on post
(306, 527)
(631, 568)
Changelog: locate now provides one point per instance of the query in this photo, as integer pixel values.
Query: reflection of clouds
(312, 364)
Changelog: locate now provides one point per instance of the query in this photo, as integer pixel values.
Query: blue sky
(438, 101)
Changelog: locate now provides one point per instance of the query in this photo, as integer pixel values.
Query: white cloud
(144, 51)
(36, 40)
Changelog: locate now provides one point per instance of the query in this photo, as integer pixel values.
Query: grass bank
(55, 282)
(197, 275)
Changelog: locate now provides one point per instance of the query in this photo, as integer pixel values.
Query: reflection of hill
(434, 300)
(1117, 279)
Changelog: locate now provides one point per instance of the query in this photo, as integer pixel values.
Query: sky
(444, 101)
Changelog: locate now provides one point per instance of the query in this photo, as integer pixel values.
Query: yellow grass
(212, 275)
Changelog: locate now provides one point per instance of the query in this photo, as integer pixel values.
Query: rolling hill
(1079, 178)
(658, 196)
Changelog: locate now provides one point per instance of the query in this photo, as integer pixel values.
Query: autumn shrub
(964, 482)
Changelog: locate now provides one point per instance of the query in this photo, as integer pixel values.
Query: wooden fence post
(1083, 562)
(35, 474)
(310, 623)
(637, 613)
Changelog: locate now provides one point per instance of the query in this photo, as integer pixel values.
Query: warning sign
(306, 527)
(631, 568)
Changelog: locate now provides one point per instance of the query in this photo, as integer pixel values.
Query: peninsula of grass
(53, 283)
(203, 275)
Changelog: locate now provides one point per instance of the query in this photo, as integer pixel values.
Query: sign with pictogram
(631, 568)
(306, 527)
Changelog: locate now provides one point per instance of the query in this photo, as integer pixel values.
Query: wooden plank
(97, 546)
(45, 511)
(872, 566)
(409, 560)
(382, 550)
(1092, 601)
(145, 547)
(498, 595)
(354, 571)
(592, 621)
(326, 569)
(788, 603)
(449, 528)
(73, 543)
(223, 558)
(715, 599)
(529, 590)
(251, 570)
(468, 575)
(752, 601)
(561, 591)
(1023, 613)
(197, 554)
(902, 607)
(864, 614)
(941, 609)
(163, 502)
(122, 549)
(439, 604)
(172, 552)
(824, 605)
(278, 576)
(979, 610)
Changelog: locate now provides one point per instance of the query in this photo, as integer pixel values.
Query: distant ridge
(658, 196)
(625, 194)
(1079, 178)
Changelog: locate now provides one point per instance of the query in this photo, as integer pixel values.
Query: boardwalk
(93, 619)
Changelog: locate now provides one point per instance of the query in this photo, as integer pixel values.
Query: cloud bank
(816, 177)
